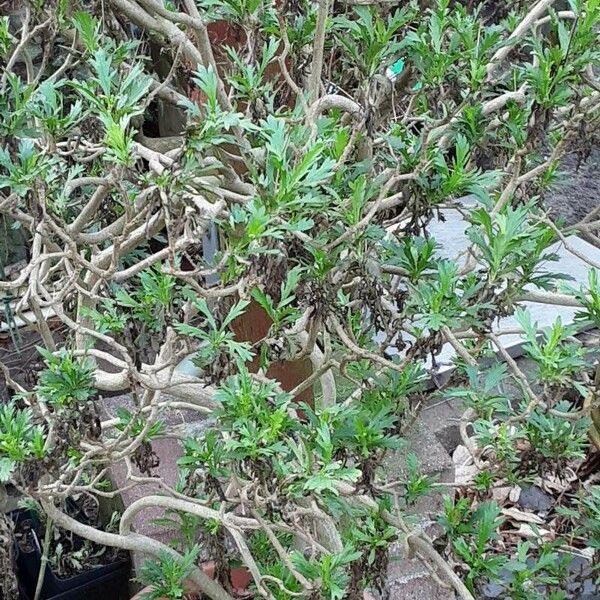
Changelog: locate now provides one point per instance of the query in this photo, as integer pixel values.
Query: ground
(578, 189)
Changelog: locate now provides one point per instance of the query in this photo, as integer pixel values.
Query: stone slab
(448, 230)
(442, 418)
(450, 234)
(168, 451)
(433, 458)
(409, 579)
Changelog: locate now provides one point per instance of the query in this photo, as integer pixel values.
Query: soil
(578, 189)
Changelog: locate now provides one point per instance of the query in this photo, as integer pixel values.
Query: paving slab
(168, 451)
(449, 228)
(433, 457)
(410, 579)
(450, 234)
(442, 417)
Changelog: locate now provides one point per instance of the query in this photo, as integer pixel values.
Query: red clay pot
(253, 326)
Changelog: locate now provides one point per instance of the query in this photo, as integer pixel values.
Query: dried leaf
(551, 483)
(515, 493)
(501, 494)
(587, 552)
(538, 533)
(521, 515)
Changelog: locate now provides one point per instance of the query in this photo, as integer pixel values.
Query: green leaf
(202, 306)
(7, 467)
(103, 66)
(237, 310)
(88, 28)
(190, 330)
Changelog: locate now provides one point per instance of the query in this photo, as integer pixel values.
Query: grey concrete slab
(451, 236)
(433, 457)
(449, 232)
(409, 579)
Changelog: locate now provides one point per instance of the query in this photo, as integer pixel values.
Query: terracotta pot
(240, 580)
(240, 577)
(253, 326)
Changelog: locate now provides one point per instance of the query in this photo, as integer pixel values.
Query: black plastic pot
(105, 582)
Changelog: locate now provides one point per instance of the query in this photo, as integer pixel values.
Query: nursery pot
(97, 583)
(240, 580)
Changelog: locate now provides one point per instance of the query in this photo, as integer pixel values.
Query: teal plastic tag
(397, 67)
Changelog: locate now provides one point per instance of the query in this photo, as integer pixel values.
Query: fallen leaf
(538, 533)
(587, 552)
(515, 493)
(500, 494)
(552, 483)
(521, 515)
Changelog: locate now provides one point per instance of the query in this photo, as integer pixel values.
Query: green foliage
(546, 568)
(48, 105)
(369, 41)
(283, 313)
(502, 439)
(208, 454)
(20, 439)
(24, 171)
(445, 299)
(323, 223)
(110, 319)
(589, 296)
(413, 254)
(250, 81)
(557, 357)
(417, 484)
(217, 337)
(14, 108)
(455, 178)
(136, 425)
(216, 126)
(511, 246)
(373, 535)
(151, 303)
(184, 526)
(455, 518)
(315, 466)
(329, 569)
(112, 96)
(244, 12)
(557, 439)
(483, 396)
(589, 515)
(257, 413)
(4, 34)
(479, 530)
(166, 575)
(67, 380)
(88, 29)
(365, 429)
